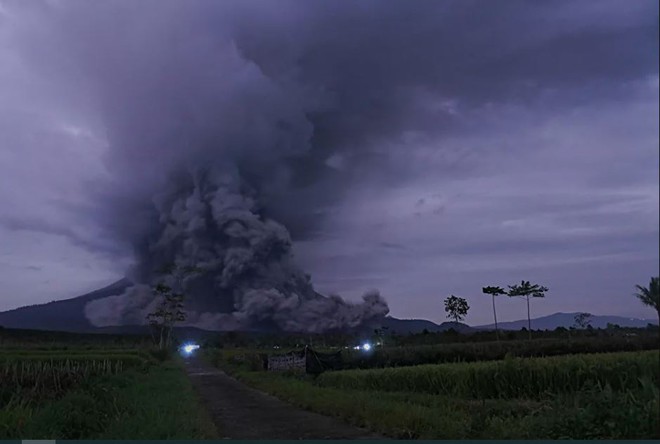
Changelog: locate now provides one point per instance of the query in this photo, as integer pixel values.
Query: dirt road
(241, 412)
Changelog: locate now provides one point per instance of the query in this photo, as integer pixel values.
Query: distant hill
(414, 326)
(567, 320)
(68, 315)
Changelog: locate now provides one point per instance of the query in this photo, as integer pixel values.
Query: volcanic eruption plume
(248, 276)
(202, 151)
(363, 141)
(230, 128)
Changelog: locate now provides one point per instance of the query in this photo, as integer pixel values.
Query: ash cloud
(248, 277)
(202, 143)
(233, 126)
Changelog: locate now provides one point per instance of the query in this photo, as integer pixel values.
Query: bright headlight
(189, 348)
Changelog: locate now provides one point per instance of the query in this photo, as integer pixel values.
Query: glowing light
(366, 347)
(189, 348)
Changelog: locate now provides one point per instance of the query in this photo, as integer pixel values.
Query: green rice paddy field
(96, 393)
(581, 396)
(129, 392)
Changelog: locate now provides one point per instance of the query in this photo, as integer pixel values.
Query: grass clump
(157, 403)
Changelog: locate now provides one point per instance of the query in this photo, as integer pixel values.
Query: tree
(494, 291)
(650, 296)
(168, 312)
(525, 290)
(456, 308)
(170, 308)
(582, 320)
(380, 334)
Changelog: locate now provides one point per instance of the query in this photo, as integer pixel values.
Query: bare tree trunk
(153, 334)
(529, 321)
(169, 333)
(497, 332)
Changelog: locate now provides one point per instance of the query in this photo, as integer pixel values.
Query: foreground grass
(593, 412)
(158, 403)
(588, 415)
(509, 378)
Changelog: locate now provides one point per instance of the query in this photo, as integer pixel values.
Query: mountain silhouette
(68, 315)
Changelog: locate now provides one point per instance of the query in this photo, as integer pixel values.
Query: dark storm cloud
(50, 228)
(324, 78)
(391, 68)
(300, 106)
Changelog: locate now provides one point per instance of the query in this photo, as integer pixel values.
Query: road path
(241, 412)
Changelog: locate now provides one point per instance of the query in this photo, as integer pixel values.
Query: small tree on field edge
(582, 320)
(456, 308)
(168, 312)
(170, 309)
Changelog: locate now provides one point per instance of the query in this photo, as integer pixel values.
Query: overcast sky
(454, 145)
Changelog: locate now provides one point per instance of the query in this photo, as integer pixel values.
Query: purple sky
(439, 146)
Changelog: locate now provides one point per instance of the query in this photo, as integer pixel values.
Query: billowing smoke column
(223, 121)
(247, 276)
(202, 143)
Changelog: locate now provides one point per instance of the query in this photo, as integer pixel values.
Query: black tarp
(315, 362)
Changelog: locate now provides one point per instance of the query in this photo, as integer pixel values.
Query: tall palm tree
(494, 291)
(525, 290)
(650, 296)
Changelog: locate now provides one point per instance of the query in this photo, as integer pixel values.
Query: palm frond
(649, 296)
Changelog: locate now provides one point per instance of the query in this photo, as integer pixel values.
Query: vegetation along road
(241, 412)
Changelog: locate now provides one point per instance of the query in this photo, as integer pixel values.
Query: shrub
(510, 378)
(489, 351)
